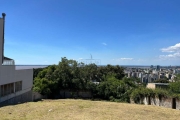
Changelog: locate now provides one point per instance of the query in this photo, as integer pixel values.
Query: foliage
(104, 82)
(177, 78)
(162, 80)
(138, 94)
(36, 71)
(70, 75)
(175, 87)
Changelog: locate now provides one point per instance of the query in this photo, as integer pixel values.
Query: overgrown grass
(68, 109)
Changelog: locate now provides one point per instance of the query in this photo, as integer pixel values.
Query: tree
(73, 76)
(177, 78)
(175, 87)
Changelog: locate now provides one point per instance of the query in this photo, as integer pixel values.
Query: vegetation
(65, 109)
(177, 78)
(162, 80)
(172, 91)
(138, 94)
(105, 82)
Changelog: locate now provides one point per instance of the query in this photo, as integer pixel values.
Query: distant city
(146, 74)
(125, 66)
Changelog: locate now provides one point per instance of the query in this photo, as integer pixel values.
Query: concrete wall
(155, 101)
(7, 74)
(10, 96)
(37, 96)
(164, 102)
(21, 98)
(26, 76)
(177, 104)
(72, 94)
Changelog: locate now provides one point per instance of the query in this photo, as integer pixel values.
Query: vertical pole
(3, 15)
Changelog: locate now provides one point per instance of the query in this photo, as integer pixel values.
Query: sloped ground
(69, 109)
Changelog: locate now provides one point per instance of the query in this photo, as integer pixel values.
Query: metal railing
(8, 62)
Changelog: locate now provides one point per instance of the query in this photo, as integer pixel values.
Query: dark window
(12, 87)
(18, 86)
(6, 89)
(2, 90)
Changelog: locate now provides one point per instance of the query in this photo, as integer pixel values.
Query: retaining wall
(173, 103)
(25, 97)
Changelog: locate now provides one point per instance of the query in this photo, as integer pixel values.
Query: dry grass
(68, 109)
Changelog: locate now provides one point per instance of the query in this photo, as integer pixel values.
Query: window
(18, 86)
(12, 87)
(2, 90)
(7, 89)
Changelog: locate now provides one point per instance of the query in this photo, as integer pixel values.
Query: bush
(140, 93)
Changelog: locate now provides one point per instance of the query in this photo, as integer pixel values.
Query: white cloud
(104, 44)
(175, 48)
(120, 59)
(126, 58)
(175, 55)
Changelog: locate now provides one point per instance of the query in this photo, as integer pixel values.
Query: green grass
(69, 109)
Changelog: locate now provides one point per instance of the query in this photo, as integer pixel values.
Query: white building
(15, 85)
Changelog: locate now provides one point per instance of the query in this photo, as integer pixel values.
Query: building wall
(12, 95)
(151, 85)
(13, 83)
(20, 98)
(7, 73)
(26, 76)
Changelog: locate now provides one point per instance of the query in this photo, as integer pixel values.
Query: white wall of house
(26, 76)
(10, 78)
(7, 73)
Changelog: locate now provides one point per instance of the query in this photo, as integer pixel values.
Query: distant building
(158, 67)
(15, 85)
(157, 85)
(151, 66)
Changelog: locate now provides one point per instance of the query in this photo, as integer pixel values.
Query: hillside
(67, 109)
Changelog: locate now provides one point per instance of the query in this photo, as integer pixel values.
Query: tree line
(104, 82)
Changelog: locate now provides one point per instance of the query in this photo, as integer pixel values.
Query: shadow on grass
(4, 104)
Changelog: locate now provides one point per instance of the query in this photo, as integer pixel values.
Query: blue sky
(123, 32)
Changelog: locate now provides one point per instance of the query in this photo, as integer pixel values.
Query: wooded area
(104, 82)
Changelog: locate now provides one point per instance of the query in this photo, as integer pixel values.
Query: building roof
(6, 58)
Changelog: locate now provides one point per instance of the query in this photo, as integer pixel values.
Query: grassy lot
(69, 109)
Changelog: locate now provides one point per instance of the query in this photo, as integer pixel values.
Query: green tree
(175, 87)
